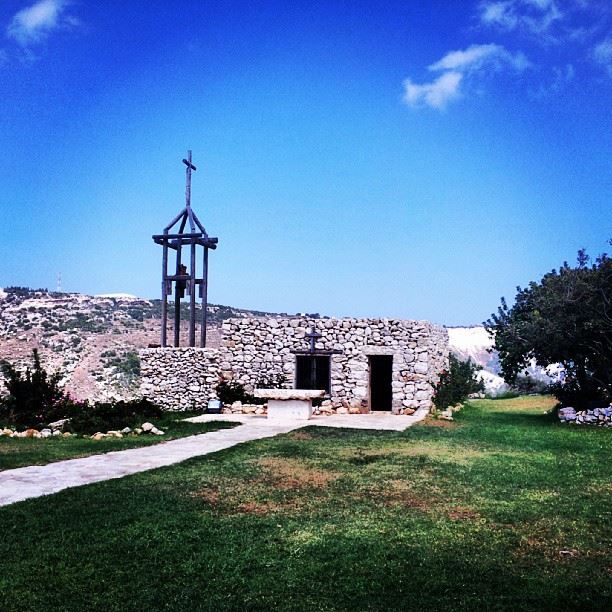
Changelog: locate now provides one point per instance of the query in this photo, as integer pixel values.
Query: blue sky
(408, 159)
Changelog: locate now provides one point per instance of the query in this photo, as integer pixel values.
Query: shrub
(232, 391)
(34, 396)
(273, 381)
(106, 416)
(525, 384)
(456, 383)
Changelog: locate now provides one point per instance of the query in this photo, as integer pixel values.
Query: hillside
(92, 340)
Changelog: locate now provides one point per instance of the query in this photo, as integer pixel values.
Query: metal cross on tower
(313, 335)
(183, 281)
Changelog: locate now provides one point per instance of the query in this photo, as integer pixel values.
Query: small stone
(126, 430)
(46, 433)
(98, 436)
(114, 434)
(146, 427)
(260, 410)
(409, 411)
(56, 432)
(137, 431)
(66, 434)
(342, 410)
(157, 432)
(58, 424)
(31, 433)
(7, 432)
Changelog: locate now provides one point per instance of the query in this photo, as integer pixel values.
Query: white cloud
(603, 54)
(532, 16)
(455, 66)
(435, 94)
(476, 57)
(33, 23)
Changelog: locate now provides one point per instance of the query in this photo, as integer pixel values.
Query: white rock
(58, 424)
(146, 427)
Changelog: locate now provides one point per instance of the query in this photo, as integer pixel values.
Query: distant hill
(92, 340)
(475, 343)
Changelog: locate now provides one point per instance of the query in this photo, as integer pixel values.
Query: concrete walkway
(36, 480)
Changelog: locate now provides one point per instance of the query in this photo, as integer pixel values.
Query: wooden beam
(164, 304)
(192, 296)
(177, 302)
(204, 301)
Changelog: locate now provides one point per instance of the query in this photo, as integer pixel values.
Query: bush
(525, 384)
(456, 383)
(274, 381)
(90, 419)
(34, 397)
(231, 391)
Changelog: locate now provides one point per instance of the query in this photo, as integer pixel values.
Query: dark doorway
(381, 374)
(313, 372)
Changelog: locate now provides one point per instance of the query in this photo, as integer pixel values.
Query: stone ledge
(289, 394)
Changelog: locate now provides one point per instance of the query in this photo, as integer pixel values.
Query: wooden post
(177, 301)
(164, 304)
(192, 294)
(204, 299)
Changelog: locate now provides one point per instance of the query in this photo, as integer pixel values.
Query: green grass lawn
(19, 452)
(468, 515)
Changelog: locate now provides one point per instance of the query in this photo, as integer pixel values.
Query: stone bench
(294, 404)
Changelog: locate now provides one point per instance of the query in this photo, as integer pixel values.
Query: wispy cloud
(455, 66)
(558, 80)
(436, 94)
(34, 23)
(602, 54)
(476, 57)
(532, 16)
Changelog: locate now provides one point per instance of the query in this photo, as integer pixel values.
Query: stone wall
(255, 348)
(179, 378)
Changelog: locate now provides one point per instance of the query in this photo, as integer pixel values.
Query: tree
(566, 318)
(33, 395)
(456, 383)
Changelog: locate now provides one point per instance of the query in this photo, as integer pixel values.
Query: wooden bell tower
(185, 230)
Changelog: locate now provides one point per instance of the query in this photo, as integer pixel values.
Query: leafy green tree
(565, 318)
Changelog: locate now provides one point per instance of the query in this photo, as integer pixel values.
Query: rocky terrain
(92, 340)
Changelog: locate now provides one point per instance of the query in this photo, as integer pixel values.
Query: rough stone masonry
(256, 348)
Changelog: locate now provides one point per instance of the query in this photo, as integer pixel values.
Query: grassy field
(19, 452)
(502, 509)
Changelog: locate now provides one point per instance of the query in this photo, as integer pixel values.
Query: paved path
(36, 480)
